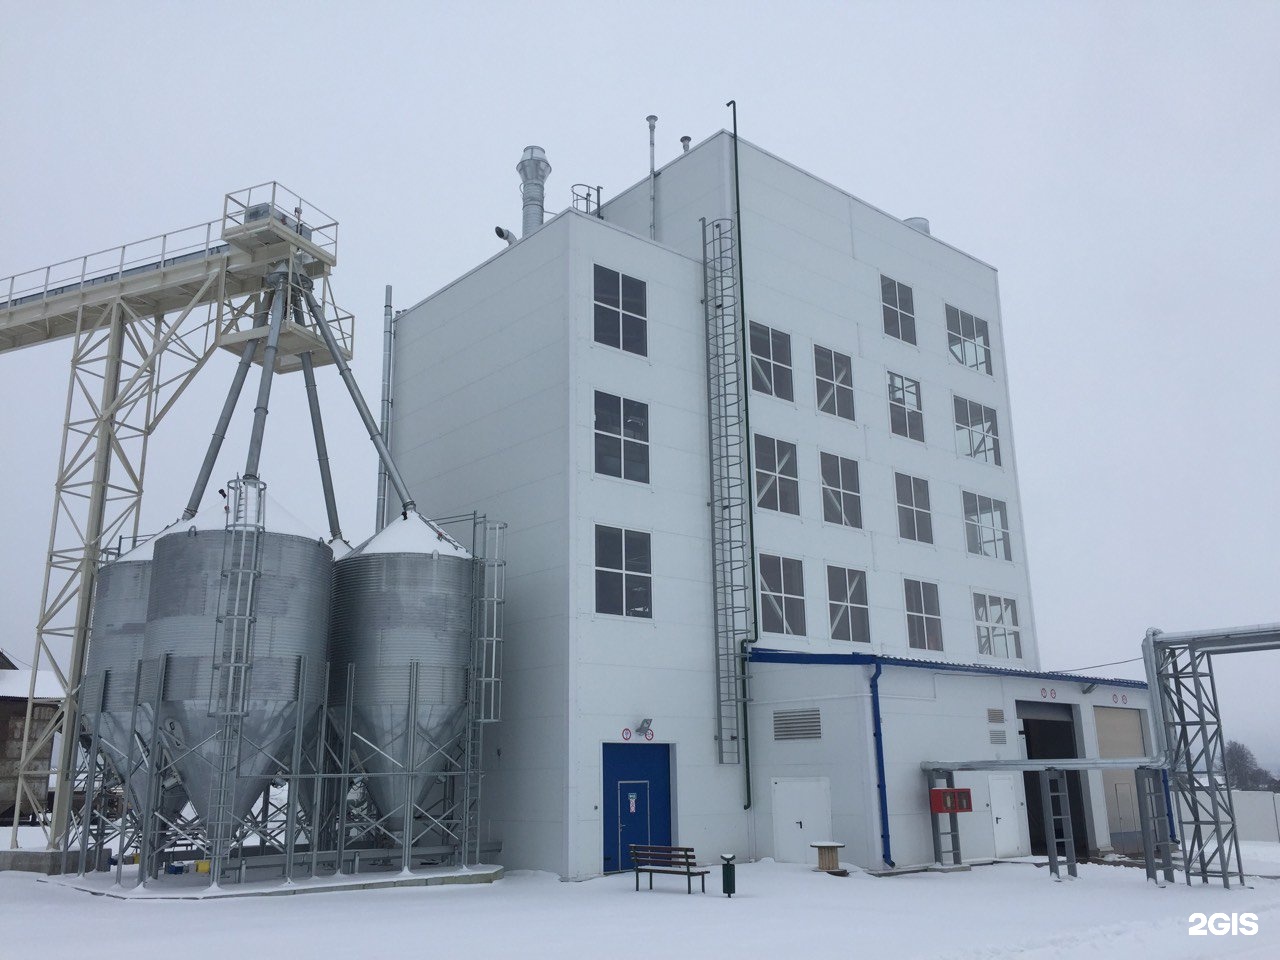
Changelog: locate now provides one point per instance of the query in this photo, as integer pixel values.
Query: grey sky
(1116, 162)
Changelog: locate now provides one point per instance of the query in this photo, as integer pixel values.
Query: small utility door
(1005, 821)
(801, 816)
(635, 800)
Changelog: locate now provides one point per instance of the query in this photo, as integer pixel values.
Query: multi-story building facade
(563, 387)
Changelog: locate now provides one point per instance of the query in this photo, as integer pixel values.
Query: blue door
(636, 796)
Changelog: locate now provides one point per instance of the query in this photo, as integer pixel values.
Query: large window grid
(996, 620)
(969, 339)
(906, 415)
(622, 437)
(899, 309)
(977, 434)
(777, 476)
(621, 306)
(847, 603)
(781, 595)
(924, 615)
(624, 572)
(833, 374)
(986, 526)
(771, 362)
(914, 519)
(841, 497)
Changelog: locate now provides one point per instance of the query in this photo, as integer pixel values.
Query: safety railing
(243, 207)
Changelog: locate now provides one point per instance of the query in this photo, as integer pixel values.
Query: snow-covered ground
(781, 911)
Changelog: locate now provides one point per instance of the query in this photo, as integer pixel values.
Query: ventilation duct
(805, 724)
(534, 170)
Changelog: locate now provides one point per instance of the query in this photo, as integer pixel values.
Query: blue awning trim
(867, 659)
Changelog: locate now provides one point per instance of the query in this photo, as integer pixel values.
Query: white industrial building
(562, 386)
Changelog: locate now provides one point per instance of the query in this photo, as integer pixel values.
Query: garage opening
(1049, 732)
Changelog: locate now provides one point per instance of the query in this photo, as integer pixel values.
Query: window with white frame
(906, 416)
(977, 434)
(914, 519)
(777, 475)
(781, 595)
(924, 615)
(833, 373)
(621, 308)
(622, 437)
(986, 526)
(841, 497)
(996, 620)
(847, 603)
(969, 339)
(624, 572)
(899, 309)
(771, 362)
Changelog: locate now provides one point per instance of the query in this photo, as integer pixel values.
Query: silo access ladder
(242, 566)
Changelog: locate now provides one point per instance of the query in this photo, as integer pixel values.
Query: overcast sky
(1116, 162)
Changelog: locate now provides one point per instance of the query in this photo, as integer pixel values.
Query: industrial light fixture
(1090, 687)
(644, 727)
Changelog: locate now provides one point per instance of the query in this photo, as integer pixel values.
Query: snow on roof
(214, 517)
(413, 533)
(15, 684)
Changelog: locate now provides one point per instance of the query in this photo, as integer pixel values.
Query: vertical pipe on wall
(653, 195)
(388, 337)
(882, 790)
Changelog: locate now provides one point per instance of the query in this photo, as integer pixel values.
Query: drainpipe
(388, 335)
(746, 729)
(878, 735)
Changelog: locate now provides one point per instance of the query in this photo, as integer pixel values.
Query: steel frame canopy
(144, 319)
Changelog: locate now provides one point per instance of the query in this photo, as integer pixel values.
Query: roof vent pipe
(653, 196)
(506, 235)
(534, 170)
(684, 142)
(918, 223)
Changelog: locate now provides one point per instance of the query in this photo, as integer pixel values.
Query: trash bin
(728, 870)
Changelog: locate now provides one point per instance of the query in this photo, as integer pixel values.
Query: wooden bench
(675, 860)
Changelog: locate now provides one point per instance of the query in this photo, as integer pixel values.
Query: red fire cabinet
(950, 800)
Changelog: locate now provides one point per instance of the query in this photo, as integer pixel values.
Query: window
(924, 616)
(622, 437)
(906, 418)
(847, 602)
(771, 362)
(976, 433)
(621, 308)
(624, 574)
(777, 481)
(969, 339)
(781, 595)
(997, 623)
(899, 309)
(914, 521)
(834, 375)
(841, 501)
(986, 526)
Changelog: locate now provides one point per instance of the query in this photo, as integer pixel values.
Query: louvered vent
(995, 716)
(803, 724)
(998, 737)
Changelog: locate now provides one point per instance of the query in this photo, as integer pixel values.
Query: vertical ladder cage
(242, 567)
(1060, 843)
(731, 558)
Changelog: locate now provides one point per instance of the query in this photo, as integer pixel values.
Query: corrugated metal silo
(290, 631)
(403, 596)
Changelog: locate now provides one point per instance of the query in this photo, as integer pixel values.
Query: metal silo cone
(283, 681)
(403, 597)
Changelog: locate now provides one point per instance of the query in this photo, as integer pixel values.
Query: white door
(1005, 821)
(801, 816)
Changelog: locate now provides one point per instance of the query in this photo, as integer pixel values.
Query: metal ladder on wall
(241, 568)
(485, 674)
(1158, 843)
(946, 842)
(1060, 842)
(730, 508)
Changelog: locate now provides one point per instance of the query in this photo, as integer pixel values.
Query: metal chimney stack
(534, 170)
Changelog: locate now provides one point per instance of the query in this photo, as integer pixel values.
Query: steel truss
(731, 559)
(1180, 667)
(144, 319)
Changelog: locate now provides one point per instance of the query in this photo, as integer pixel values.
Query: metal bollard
(728, 870)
